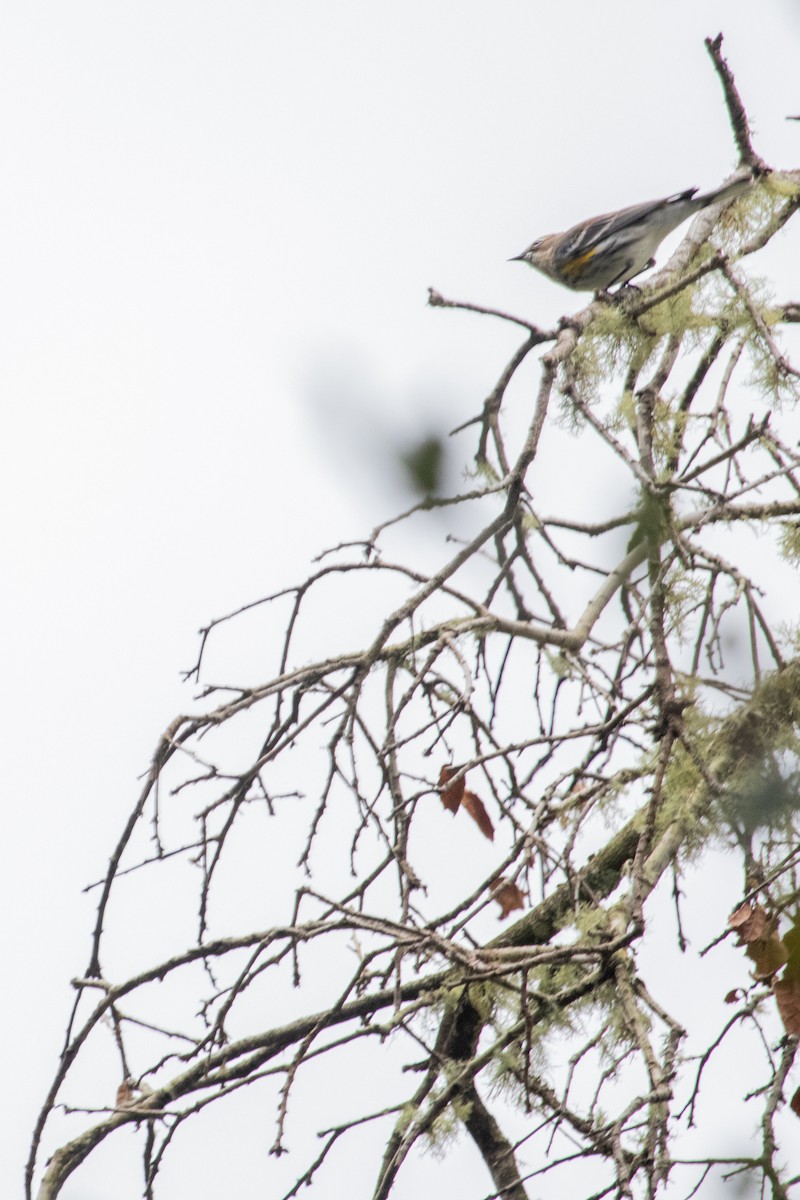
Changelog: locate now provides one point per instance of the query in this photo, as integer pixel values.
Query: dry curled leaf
(733, 995)
(508, 896)
(451, 794)
(475, 807)
(795, 1103)
(755, 929)
(750, 922)
(124, 1094)
(456, 795)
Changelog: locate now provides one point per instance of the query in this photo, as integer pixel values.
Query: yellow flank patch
(574, 263)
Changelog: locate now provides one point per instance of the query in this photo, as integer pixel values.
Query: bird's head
(540, 254)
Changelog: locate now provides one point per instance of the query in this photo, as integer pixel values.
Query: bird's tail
(727, 192)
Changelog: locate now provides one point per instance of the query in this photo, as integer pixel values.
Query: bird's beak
(517, 258)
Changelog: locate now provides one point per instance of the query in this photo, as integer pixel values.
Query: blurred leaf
(791, 941)
(424, 463)
(652, 521)
(508, 896)
(768, 955)
(764, 799)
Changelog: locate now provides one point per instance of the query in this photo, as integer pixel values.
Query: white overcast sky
(218, 222)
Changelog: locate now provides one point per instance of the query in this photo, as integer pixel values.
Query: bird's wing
(582, 239)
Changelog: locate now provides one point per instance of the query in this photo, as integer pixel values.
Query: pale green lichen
(770, 376)
(742, 753)
(790, 541)
(612, 343)
(560, 665)
(446, 1126)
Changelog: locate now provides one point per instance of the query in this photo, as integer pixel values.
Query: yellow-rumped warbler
(610, 249)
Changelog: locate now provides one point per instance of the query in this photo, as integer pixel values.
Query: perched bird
(595, 255)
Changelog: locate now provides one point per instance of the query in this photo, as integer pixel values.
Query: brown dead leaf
(734, 995)
(755, 929)
(787, 995)
(750, 922)
(452, 795)
(474, 806)
(794, 1104)
(124, 1094)
(508, 896)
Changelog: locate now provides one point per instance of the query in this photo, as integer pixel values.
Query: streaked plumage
(611, 249)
